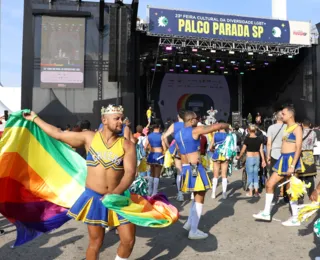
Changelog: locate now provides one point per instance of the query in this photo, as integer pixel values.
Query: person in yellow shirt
(149, 114)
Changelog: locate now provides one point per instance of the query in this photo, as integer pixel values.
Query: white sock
(150, 185)
(214, 185)
(178, 181)
(197, 211)
(224, 185)
(120, 258)
(269, 199)
(190, 212)
(155, 186)
(294, 208)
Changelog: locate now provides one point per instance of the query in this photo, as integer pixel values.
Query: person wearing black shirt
(253, 146)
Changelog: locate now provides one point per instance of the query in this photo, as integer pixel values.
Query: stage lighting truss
(259, 48)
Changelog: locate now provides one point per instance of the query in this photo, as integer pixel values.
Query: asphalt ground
(233, 234)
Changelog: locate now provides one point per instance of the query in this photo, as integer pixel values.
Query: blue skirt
(153, 158)
(194, 184)
(90, 210)
(218, 157)
(282, 165)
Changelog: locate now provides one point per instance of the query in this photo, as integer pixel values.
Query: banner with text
(177, 23)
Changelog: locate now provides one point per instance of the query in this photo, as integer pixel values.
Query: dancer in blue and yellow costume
(220, 162)
(155, 158)
(194, 176)
(288, 164)
(173, 130)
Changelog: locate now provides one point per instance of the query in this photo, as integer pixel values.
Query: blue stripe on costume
(153, 158)
(90, 210)
(284, 162)
(199, 183)
(218, 157)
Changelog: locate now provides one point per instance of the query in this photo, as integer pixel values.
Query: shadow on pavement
(40, 249)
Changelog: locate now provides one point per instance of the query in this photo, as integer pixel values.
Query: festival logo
(276, 32)
(163, 21)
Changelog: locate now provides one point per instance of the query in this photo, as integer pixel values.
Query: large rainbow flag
(40, 178)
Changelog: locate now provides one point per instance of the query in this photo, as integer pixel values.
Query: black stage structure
(127, 65)
(111, 60)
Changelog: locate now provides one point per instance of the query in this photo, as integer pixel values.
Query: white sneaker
(197, 235)
(180, 197)
(291, 222)
(213, 195)
(224, 195)
(187, 226)
(192, 196)
(262, 216)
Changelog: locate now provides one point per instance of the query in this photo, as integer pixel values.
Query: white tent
(10, 99)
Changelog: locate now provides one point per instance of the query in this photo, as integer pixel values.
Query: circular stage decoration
(194, 92)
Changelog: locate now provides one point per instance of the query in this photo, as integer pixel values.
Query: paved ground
(234, 234)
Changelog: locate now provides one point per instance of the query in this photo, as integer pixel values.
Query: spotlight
(211, 71)
(222, 68)
(168, 48)
(171, 70)
(218, 61)
(158, 65)
(186, 70)
(178, 66)
(270, 54)
(231, 52)
(250, 53)
(226, 72)
(236, 68)
(233, 62)
(194, 50)
(164, 59)
(153, 69)
(290, 56)
(241, 73)
(213, 51)
(199, 71)
(253, 68)
(194, 66)
(185, 60)
(208, 67)
(266, 63)
(248, 62)
(203, 60)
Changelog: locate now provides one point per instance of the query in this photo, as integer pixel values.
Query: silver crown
(112, 109)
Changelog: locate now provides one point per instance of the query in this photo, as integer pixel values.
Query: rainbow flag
(41, 178)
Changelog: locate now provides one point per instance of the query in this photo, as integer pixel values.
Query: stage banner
(177, 23)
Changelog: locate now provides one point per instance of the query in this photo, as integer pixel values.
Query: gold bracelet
(34, 117)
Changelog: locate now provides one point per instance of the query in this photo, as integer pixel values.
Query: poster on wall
(194, 92)
(179, 23)
(62, 52)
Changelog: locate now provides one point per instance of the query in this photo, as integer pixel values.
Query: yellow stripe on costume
(82, 215)
(47, 168)
(185, 183)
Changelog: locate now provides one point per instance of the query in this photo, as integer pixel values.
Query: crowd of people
(115, 156)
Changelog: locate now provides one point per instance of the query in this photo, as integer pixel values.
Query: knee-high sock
(155, 186)
(191, 212)
(120, 258)
(224, 185)
(267, 207)
(214, 185)
(294, 208)
(150, 185)
(178, 181)
(196, 215)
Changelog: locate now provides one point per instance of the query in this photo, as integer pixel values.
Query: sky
(12, 18)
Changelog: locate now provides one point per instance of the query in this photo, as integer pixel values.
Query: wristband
(34, 117)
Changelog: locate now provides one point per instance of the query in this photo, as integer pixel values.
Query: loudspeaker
(101, 15)
(236, 118)
(113, 44)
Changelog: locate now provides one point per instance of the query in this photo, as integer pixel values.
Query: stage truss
(221, 45)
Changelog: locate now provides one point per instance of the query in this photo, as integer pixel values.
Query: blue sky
(12, 18)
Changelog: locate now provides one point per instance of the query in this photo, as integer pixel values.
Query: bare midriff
(103, 180)
(253, 154)
(192, 158)
(156, 149)
(288, 147)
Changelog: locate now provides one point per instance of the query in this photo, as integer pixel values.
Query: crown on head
(111, 109)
